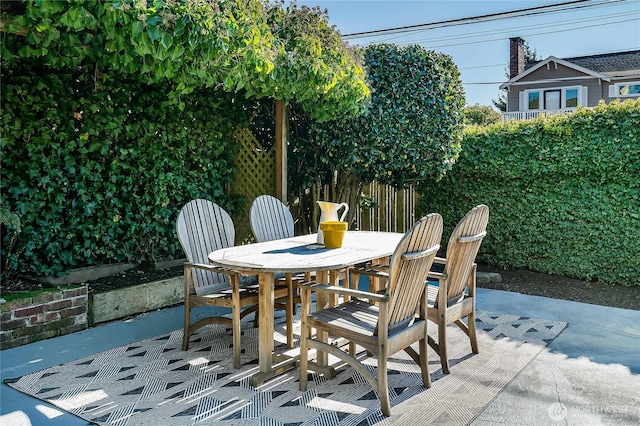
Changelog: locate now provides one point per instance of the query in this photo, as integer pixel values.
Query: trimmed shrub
(564, 192)
(99, 176)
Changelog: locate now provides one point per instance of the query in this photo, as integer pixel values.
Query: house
(556, 85)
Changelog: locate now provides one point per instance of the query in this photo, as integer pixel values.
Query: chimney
(516, 56)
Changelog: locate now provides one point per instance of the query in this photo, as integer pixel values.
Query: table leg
(322, 358)
(266, 356)
(265, 340)
(334, 280)
(321, 365)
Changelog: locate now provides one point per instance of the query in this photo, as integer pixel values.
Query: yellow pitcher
(329, 213)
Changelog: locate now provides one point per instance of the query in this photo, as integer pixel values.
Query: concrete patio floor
(589, 375)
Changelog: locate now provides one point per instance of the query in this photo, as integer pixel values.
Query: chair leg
(353, 284)
(442, 344)
(255, 318)
(423, 346)
(354, 278)
(374, 284)
(186, 331)
(187, 325)
(472, 332)
(383, 389)
(469, 330)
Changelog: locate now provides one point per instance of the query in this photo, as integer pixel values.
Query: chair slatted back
(409, 267)
(463, 247)
(270, 219)
(203, 227)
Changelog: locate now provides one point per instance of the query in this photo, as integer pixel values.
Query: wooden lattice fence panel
(396, 211)
(255, 175)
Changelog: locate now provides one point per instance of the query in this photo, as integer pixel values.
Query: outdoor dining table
(297, 254)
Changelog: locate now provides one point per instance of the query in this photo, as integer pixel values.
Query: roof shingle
(609, 64)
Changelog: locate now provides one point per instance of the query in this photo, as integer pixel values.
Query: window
(554, 98)
(622, 90)
(629, 89)
(571, 98)
(534, 100)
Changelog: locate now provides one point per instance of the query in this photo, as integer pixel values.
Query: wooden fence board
(255, 175)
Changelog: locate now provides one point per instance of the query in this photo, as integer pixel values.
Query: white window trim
(526, 99)
(582, 96)
(614, 90)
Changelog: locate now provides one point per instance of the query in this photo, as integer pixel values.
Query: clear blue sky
(481, 50)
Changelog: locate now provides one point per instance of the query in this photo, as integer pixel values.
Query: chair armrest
(207, 267)
(364, 268)
(373, 273)
(217, 269)
(438, 275)
(378, 267)
(472, 238)
(325, 288)
(420, 254)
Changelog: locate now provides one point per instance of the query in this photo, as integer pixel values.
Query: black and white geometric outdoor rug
(153, 382)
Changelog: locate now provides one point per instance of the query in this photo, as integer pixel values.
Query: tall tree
(411, 130)
(314, 67)
(480, 115)
(259, 48)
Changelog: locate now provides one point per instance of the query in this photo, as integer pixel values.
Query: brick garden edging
(46, 315)
(71, 308)
(66, 311)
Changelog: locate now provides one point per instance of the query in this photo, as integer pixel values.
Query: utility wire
(578, 4)
(520, 28)
(528, 35)
(482, 66)
(404, 31)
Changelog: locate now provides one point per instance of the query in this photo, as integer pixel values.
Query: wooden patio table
(297, 254)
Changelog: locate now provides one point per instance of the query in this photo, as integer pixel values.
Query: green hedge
(113, 116)
(563, 192)
(97, 173)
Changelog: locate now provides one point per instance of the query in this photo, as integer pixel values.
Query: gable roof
(610, 64)
(603, 66)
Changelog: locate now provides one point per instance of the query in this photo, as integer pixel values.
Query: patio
(587, 375)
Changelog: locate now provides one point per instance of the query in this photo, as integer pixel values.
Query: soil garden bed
(560, 287)
(516, 280)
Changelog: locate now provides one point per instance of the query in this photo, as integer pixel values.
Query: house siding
(595, 90)
(605, 95)
(557, 73)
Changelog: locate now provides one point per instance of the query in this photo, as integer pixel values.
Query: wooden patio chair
(270, 220)
(378, 273)
(454, 297)
(203, 227)
(383, 324)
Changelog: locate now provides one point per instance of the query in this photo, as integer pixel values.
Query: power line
(482, 66)
(485, 83)
(531, 34)
(523, 35)
(520, 28)
(405, 31)
(484, 18)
